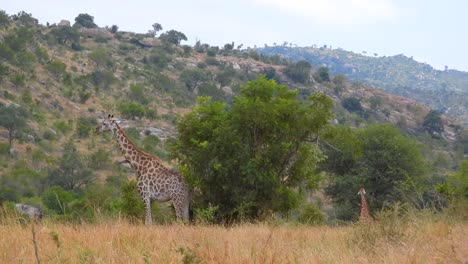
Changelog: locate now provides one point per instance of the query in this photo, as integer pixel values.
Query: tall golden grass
(420, 239)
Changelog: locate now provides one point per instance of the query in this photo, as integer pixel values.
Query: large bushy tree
(380, 158)
(254, 156)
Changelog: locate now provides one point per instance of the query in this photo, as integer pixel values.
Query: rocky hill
(67, 77)
(446, 91)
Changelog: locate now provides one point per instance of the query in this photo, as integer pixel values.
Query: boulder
(150, 42)
(64, 23)
(96, 32)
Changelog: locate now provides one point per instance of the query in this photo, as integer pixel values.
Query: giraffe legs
(147, 202)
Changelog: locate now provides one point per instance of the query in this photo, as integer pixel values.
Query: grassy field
(117, 241)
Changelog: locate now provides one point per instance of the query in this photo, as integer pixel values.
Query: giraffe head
(107, 124)
(362, 191)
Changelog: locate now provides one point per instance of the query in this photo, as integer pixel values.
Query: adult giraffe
(154, 180)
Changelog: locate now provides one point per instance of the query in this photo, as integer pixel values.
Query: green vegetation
(265, 153)
(257, 150)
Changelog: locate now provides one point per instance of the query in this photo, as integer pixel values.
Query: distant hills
(446, 91)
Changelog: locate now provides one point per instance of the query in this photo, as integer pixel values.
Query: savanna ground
(418, 238)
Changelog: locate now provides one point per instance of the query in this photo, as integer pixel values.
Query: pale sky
(432, 31)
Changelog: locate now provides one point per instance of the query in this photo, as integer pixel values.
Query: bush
(132, 206)
(311, 215)
(299, 71)
(131, 110)
(57, 199)
(85, 125)
(352, 104)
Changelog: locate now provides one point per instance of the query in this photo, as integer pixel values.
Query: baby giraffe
(364, 217)
(154, 180)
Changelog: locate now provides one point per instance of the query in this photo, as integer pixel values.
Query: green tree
(71, 172)
(85, 20)
(173, 36)
(455, 188)
(57, 199)
(299, 71)
(193, 78)
(433, 123)
(352, 104)
(156, 28)
(251, 157)
(13, 118)
(388, 164)
(101, 58)
(5, 20)
(323, 74)
(65, 35)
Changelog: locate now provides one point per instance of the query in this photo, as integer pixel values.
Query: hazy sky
(431, 31)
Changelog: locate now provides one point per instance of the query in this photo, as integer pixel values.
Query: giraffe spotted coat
(154, 180)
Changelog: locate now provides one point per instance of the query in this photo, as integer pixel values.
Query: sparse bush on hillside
(137, 94)
(101, 58)
(352, 104)
(299, 71)
(433, 123)
(25, 60)
(322, 75)
(85, 125)
(57, 68)
(131, 110)
(66, 35)
(193, 78)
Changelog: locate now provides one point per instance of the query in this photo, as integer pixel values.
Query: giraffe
(364, 217)
(154, 180)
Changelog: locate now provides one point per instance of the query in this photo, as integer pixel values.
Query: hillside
(446, 91)
(66, 78)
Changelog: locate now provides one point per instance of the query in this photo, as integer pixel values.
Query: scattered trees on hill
(251, 158)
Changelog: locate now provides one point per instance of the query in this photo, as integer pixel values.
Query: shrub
(311, 215)
(85, 125)
(131, 110)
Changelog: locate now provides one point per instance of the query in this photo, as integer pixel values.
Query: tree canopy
(380, 158)
(248, 159)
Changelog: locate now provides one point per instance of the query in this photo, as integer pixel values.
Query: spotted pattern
(364, 216)
(155, 182)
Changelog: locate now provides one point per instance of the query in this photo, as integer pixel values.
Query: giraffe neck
(128, 149)
(364, 209)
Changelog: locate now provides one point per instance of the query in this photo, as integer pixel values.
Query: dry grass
(121, 242)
